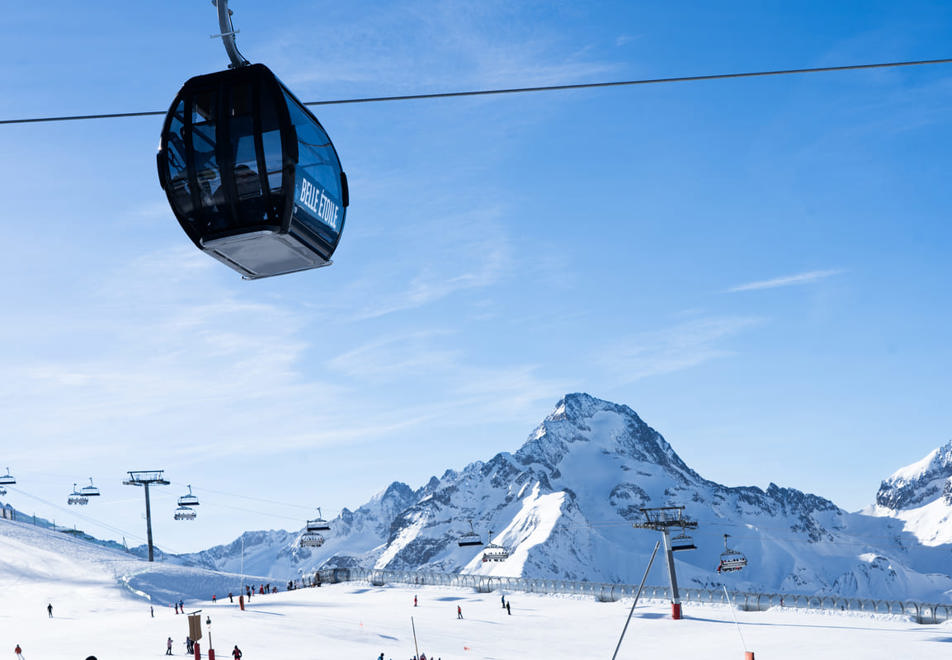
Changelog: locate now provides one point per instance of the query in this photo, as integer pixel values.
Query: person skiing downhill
(236, 654)
(459, 612)
(19, 652)
(49, 610)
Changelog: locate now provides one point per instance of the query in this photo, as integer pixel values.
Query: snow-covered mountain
(920, 495)
(564, 504)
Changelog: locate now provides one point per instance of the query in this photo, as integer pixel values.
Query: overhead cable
(520, 90)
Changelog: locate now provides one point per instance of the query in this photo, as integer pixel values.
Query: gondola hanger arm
(227, 35)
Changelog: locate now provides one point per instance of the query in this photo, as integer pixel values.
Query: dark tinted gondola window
(271, 144)
(250, 204)
(177, 165)
(213, 198)
(318, 185)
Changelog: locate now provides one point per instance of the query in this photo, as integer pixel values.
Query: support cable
(521, 90)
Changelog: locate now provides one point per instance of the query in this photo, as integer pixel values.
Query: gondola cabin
(251, 175)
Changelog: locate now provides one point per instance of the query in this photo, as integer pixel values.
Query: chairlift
(731, 560)
(249, 172)
(311, 540)
(495, 552)
(470, 538)
(188, 500)
(7, 479)
(184, 513)
(77, 497)
(682, 541)
(318, 524)
(91, 490)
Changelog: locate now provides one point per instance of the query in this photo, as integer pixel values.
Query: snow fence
(608, 592)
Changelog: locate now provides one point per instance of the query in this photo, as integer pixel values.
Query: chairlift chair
(7, 479)
(470, 538)
(184, 513)
(91, 490)
(311, 540)
(731, 560)
(318, 524)
(77, 497)
(682, 541)
(495, 552)
(188, 500)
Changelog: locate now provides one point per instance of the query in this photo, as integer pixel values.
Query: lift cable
(522, 90)
(200, 489)
(79, 515)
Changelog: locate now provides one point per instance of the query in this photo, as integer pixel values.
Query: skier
(214, 598)
(236, 654)
(508, 611)
(188, 644)
(19, 652)
(49, 610)
(176, 608)
(414, 601)
(459, 612)
(502, 599)
(181, 606)
(231, 597)
(152, 611)
(168, 647)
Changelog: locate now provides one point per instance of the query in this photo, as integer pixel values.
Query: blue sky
(758, 267)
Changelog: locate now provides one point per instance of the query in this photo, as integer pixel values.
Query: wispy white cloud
(808, 277)
(454, 44)
(680, 347)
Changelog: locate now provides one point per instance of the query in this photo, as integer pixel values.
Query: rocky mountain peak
(613, 428)
(919, 483)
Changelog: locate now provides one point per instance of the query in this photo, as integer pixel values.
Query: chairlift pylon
(731, 560)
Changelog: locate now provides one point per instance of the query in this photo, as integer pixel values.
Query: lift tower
(145, 478)
(663, 519)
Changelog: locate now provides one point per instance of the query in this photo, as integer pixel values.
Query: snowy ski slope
(97, 612)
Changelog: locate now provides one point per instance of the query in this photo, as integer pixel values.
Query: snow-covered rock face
(920, 495)
(563, 505)
(919, 483)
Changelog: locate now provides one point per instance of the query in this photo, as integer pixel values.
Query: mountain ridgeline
(564, 504)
